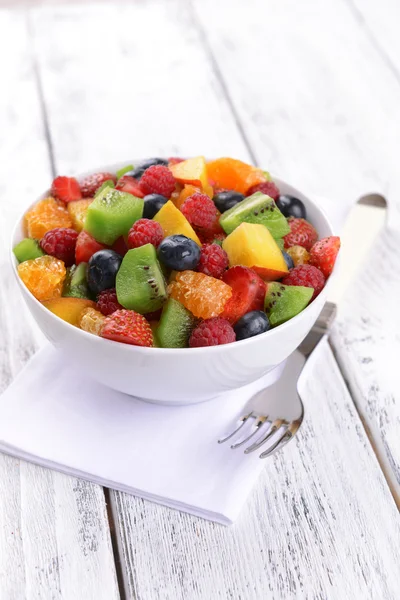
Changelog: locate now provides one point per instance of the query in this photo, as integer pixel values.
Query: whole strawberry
(66, 189)
(308, 276)
(91, 183)
(302, 233)
(128, 327)
(60, 243)
(323, 254)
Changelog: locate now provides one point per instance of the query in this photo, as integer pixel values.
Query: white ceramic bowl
(178, 376)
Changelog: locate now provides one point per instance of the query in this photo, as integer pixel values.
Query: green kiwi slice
(282, 302)
(140, 284)
(175, 326)
(257, 208)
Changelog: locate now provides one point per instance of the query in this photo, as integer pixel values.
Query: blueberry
(251, 324)
(288, 260)
(152, 204)
(102, 269)
(291, 206)
(179, 253)
(145, 164)
(225, 200)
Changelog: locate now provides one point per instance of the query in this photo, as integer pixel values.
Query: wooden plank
(54, 535)
(366, 341)
(327, 114)
(300, 76)
(380, 22)
(309, 529)
(120, 91)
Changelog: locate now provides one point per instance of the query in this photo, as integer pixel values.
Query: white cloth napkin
(55, 416)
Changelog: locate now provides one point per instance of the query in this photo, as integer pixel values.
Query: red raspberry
(248, 292)
(302, 233)
(107, 302)
(91, 183)
(266, 187)
(308, 276)
(60, 242)
(323, 254)
(145, 231)
(128, 327)
(200, 211)
(86, 246)
(213, 260)
(174, 160)
(157, 179)
(130, 185)
(212, 332)
(66, 189)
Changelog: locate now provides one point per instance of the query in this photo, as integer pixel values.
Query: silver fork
(276, 413)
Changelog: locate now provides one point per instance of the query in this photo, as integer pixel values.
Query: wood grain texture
(367, 343)
(300, 76)
(380, 22)
(332, 115)
(309, 530)
(138, 84)
(54, 536)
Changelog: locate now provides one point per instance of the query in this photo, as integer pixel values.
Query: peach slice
(69, 309)
(232, 174)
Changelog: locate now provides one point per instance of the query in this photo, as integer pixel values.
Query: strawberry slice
(85, 247)
(66, 189)
(302, 233)
(323, 254)
(120, 246)
(130, 185)
(128, 327)
(91, 183)
(248, 293)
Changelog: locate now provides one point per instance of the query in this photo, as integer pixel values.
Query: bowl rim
(271, 333)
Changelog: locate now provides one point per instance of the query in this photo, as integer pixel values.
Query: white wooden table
(311, 91)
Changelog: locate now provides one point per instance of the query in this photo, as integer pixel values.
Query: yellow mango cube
(173, 222)
(252, 245)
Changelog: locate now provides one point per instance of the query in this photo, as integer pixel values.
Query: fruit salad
(174, 253)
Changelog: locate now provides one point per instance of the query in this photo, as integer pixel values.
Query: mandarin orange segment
(43, 276)
(299, 255)
(91, 320)
(46, 215)
(77, 211)
(204, 296)
(232, 174)
(187, 191)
